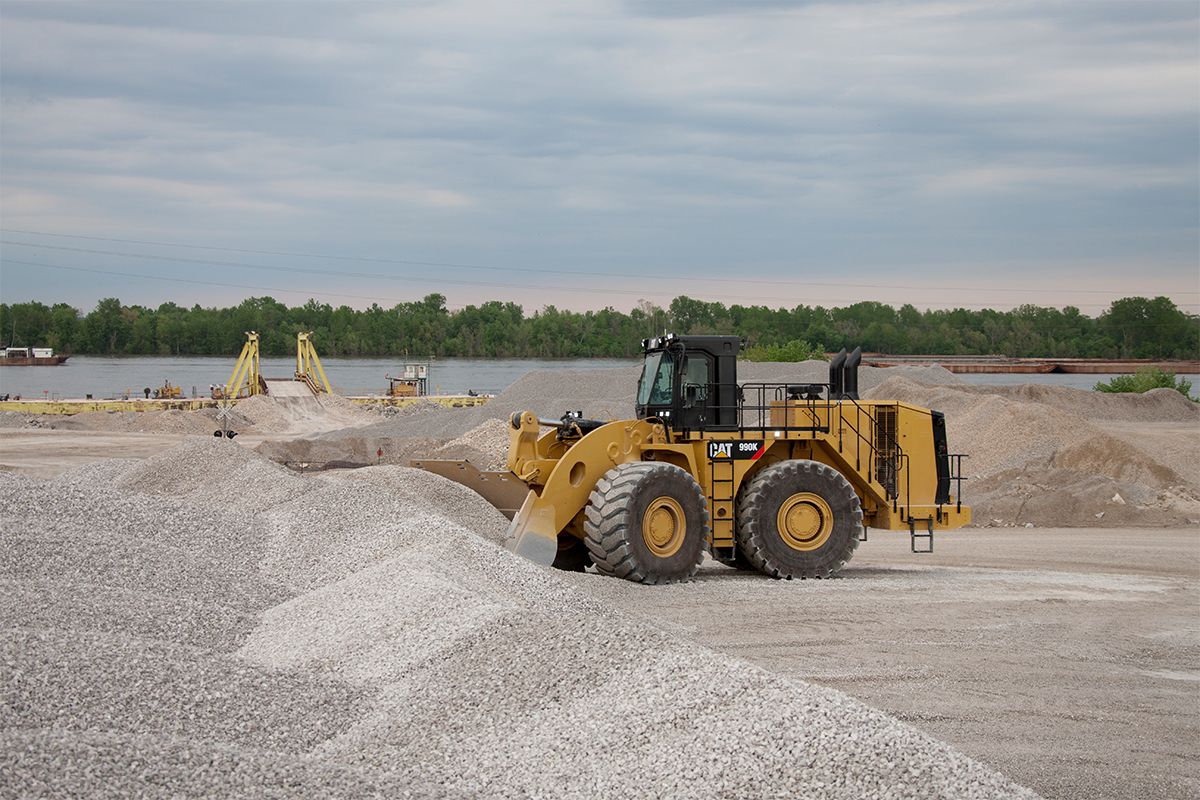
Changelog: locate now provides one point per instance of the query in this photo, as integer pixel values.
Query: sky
(591, 154)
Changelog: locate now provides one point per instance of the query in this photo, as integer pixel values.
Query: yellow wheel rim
(664, 527)
(805, 521)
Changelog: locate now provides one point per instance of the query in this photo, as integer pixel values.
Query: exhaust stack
(835, 375)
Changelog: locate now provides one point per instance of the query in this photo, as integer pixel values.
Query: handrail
(808, 407)
(900, 456)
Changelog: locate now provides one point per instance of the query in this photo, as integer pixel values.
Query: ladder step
(926, 535)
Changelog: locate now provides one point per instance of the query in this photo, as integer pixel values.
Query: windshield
(654, 388)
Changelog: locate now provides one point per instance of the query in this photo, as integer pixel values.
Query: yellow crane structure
(245, 381)
(308, 365)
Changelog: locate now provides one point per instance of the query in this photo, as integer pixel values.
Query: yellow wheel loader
(780, 478)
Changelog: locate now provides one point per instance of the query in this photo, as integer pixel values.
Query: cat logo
(720, 449)
(735, 450)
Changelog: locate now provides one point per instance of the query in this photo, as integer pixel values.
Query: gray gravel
(209, 624)
(50, 763)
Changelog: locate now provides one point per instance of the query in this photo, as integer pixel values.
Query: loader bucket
(533, 533)
(502, 489)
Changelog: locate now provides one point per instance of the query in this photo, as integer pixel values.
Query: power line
(538, 270)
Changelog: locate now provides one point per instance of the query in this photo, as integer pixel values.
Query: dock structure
(1033, 366)
(76, 406)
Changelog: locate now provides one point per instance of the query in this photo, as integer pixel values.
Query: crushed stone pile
(359, 638)
(302, 414)
(485, 445)
(201, 422)
(1055, 456)
(16, 419)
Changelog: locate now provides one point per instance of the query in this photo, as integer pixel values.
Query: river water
(106, 377)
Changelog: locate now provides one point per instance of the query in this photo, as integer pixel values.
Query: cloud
(928, 139)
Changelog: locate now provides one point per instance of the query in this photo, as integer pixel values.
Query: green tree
(1145, 328)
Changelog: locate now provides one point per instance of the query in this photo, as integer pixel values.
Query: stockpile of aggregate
(485, 445)
(300, 414)
(161, 639)
(1056, 456)
(16, 419)
(200, 422)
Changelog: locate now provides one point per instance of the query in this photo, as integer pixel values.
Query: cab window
(654, 388)
(696, 373)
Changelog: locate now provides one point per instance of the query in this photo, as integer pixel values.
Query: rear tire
(798, 519)
(647, 522)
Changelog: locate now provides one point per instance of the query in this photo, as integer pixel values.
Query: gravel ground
(1067, 658)
(47, 763)
(382, 646)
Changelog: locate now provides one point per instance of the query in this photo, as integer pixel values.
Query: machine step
(926, 534)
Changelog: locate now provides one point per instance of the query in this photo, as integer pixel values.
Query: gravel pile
(15, 419)
(300, 414)
(1157, 405)
(485, 445)
(201, 422)
(358, 637)
(47, 763)
(1055, 456)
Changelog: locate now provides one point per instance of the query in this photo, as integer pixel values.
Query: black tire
(623, 516)
(572, 554)
(798, 519)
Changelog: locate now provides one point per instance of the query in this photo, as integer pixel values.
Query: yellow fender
(534, 531)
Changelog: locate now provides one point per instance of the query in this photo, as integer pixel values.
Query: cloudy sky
(600, 153)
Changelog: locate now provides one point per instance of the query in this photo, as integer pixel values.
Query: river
(105, 377)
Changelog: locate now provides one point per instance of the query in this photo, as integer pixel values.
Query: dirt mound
(1157, 405)
(818, 372)
(16, 419)
(485, 445)
(201, 422)
(357, 629)
(1053, 456)
(301, 414)
(347, 450)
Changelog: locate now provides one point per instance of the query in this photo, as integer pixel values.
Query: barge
(30, 357)
(1034, 366)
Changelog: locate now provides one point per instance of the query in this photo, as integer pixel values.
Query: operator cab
(690, 382)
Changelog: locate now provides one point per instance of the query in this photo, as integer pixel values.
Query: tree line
(1133, 327)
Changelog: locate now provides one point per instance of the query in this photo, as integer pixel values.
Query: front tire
(798, 519)
(647, 522)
